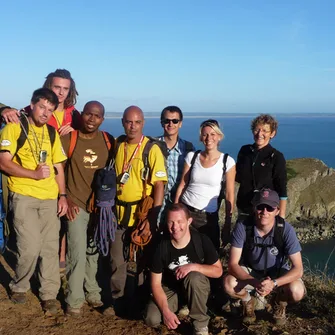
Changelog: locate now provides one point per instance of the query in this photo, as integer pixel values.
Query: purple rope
(106, 228)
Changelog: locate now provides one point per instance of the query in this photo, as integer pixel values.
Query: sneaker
(200, 331)
(50, 307)
(94, 303)
(184, 311)
(18, 297)
(75, 312)
(249, 315)
(279, 315)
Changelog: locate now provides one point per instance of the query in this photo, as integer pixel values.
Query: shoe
(279, 315)
(50, 307)
(18, 297)
(94, 303)
(200, 331)
(184, 311)
(249, 315)
(75, 312)
(235, 307)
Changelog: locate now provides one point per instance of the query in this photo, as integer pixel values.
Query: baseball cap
(266, 196)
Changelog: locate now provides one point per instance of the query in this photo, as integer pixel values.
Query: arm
(211, 271)
(280, 182)
(10, 114)
(282, 207)
(60, 179)
(183, 182)
(13, 169)
(169, 318)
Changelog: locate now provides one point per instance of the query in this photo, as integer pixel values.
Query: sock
(247, 297)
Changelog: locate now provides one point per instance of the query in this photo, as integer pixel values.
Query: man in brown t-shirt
(90, 154)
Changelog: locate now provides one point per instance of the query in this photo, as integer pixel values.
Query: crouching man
(181, 268)
(260, 250)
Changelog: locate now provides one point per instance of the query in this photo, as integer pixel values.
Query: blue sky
(204, 56)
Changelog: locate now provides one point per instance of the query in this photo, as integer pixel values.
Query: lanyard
(126, 164)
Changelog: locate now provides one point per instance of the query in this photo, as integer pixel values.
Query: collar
(176, 146)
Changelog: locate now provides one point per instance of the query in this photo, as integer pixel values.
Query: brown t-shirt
(88, 156)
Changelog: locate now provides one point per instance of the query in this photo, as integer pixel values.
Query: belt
(196, 210)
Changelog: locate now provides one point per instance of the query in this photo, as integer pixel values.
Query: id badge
(42, 156)
(125, 177)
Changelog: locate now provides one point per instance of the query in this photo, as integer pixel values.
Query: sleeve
(238, 235)
(291, 241)
(58, 154)
(157, 262)
(65, 140)
(210, 254)
(157, 165)
(238, 166)
(8, 138)
(230, 163)
(280, 175)
(188, 158)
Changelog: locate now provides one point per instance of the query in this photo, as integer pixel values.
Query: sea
(298, 136)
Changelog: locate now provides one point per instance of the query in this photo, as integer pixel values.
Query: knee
(295, 291)
(229, 283)
(152, 319)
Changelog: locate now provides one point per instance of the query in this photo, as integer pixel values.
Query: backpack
(249, 244)
(188, 146)
(222, 194)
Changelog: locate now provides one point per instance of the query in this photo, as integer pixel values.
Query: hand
(64, 130)
(183, 270)
(72, 210)
(42, 171)
(62, 206)
(144, 228)
(11, 115)
(266, 286)
(170, 319)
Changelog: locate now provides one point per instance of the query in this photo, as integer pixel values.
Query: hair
(172, 109)
(47, 94)
(71, 99)
(214, 125)
(179, 207)
(263, 119)
(97, 103)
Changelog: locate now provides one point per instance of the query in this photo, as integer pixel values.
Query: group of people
(168, 196)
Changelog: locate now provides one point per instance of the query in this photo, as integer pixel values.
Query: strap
(108, 143)
(191, 167)
(222, 194)
(52, 134)
(73, 142)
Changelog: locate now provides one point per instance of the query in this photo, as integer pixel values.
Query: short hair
(46, 94)
(179, 207)
(71, 98)
(172, 109)
(214, 124)
(265, 119)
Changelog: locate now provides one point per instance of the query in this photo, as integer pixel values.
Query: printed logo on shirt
(160, 174)
(6, 143)
(182, 260)
(274, 251)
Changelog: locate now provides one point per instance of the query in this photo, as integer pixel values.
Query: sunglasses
(268, 208)
(167, 121)
(209, 122)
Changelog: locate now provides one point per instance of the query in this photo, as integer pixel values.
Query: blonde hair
(214, 125)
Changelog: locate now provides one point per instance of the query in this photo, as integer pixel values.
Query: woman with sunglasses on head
(200, 186)
(260, 166)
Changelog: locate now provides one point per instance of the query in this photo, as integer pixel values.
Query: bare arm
(183, 182)
(60, 179)
(10, 115)
(170, 319)
(282, 208)
(16, 170)
(211, 271)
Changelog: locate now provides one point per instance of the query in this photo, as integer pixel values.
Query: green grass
(291, 173)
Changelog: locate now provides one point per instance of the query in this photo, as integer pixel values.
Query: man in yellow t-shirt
(129, 170)
(37, 196)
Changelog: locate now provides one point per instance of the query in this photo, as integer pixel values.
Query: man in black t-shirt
(182, 265)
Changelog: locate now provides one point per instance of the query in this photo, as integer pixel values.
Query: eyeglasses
(209, 122)
(167, 121)
(264, 131)
(268, 208)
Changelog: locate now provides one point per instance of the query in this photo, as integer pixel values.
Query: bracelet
(62, 195)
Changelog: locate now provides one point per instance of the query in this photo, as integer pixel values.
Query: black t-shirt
(167, 258)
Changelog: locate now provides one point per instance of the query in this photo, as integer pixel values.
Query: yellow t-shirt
(28, 157)
(59, 116)
(133, 188)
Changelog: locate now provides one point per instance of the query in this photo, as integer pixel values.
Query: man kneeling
(181, 266)
(260, 250)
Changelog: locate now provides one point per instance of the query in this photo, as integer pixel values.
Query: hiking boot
(235, 307)
(75, 312)
(249, 315)
(50, 307)
(18, 297)
(94, 303)
(200, 331)
(279, 315)
(184, 311)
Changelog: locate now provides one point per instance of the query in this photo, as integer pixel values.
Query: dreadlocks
(65, 74)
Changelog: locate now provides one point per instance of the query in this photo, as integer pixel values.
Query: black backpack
(249, 244)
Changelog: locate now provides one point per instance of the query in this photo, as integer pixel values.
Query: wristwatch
(275, 282)
(62, 195)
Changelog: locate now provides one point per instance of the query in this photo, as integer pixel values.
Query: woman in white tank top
(200, 184)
